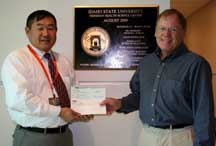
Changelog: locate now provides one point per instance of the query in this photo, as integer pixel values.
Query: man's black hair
(37, 16)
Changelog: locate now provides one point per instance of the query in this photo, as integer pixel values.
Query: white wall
(115, 130)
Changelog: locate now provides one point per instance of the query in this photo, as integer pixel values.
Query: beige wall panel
(201, 33)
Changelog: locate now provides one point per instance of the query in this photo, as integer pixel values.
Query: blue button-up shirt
(172, 91)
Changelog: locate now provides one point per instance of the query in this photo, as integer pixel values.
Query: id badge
(54, 101)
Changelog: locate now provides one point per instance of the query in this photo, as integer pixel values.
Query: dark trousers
(22, 137)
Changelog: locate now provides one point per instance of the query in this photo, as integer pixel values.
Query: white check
(86, 100)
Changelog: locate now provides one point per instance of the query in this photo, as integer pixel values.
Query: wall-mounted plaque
(113, 37)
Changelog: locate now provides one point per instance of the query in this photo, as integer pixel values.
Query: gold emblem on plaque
(95, 41)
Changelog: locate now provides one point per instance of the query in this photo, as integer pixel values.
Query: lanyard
(44, 69)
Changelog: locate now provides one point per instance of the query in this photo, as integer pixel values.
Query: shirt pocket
(174, 91)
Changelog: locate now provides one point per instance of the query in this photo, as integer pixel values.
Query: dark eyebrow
(39, 24)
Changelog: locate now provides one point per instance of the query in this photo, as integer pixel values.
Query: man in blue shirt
(172, 89)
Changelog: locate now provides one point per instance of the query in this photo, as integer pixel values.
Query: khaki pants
(151, 136)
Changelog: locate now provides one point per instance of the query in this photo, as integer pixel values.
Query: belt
(60, 129)
(173, 126)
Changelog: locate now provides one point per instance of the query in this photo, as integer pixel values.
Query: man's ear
(27, 29)
(156, 33)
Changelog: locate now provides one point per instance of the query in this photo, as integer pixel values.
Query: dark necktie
(58, 83)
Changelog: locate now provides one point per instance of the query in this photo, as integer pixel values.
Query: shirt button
(152, 105)
(152, 119)
(158, 76)
(154, 90)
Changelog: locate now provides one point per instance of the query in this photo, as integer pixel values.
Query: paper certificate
(86, 100)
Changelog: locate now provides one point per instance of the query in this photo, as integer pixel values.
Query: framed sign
(113, 37)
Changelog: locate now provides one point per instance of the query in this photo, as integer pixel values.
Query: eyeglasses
(171, 29)
(48, 27)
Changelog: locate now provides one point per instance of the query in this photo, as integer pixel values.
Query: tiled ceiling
(187, 7)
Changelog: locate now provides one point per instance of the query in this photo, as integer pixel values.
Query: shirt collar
(177, 52)
(39, 52)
